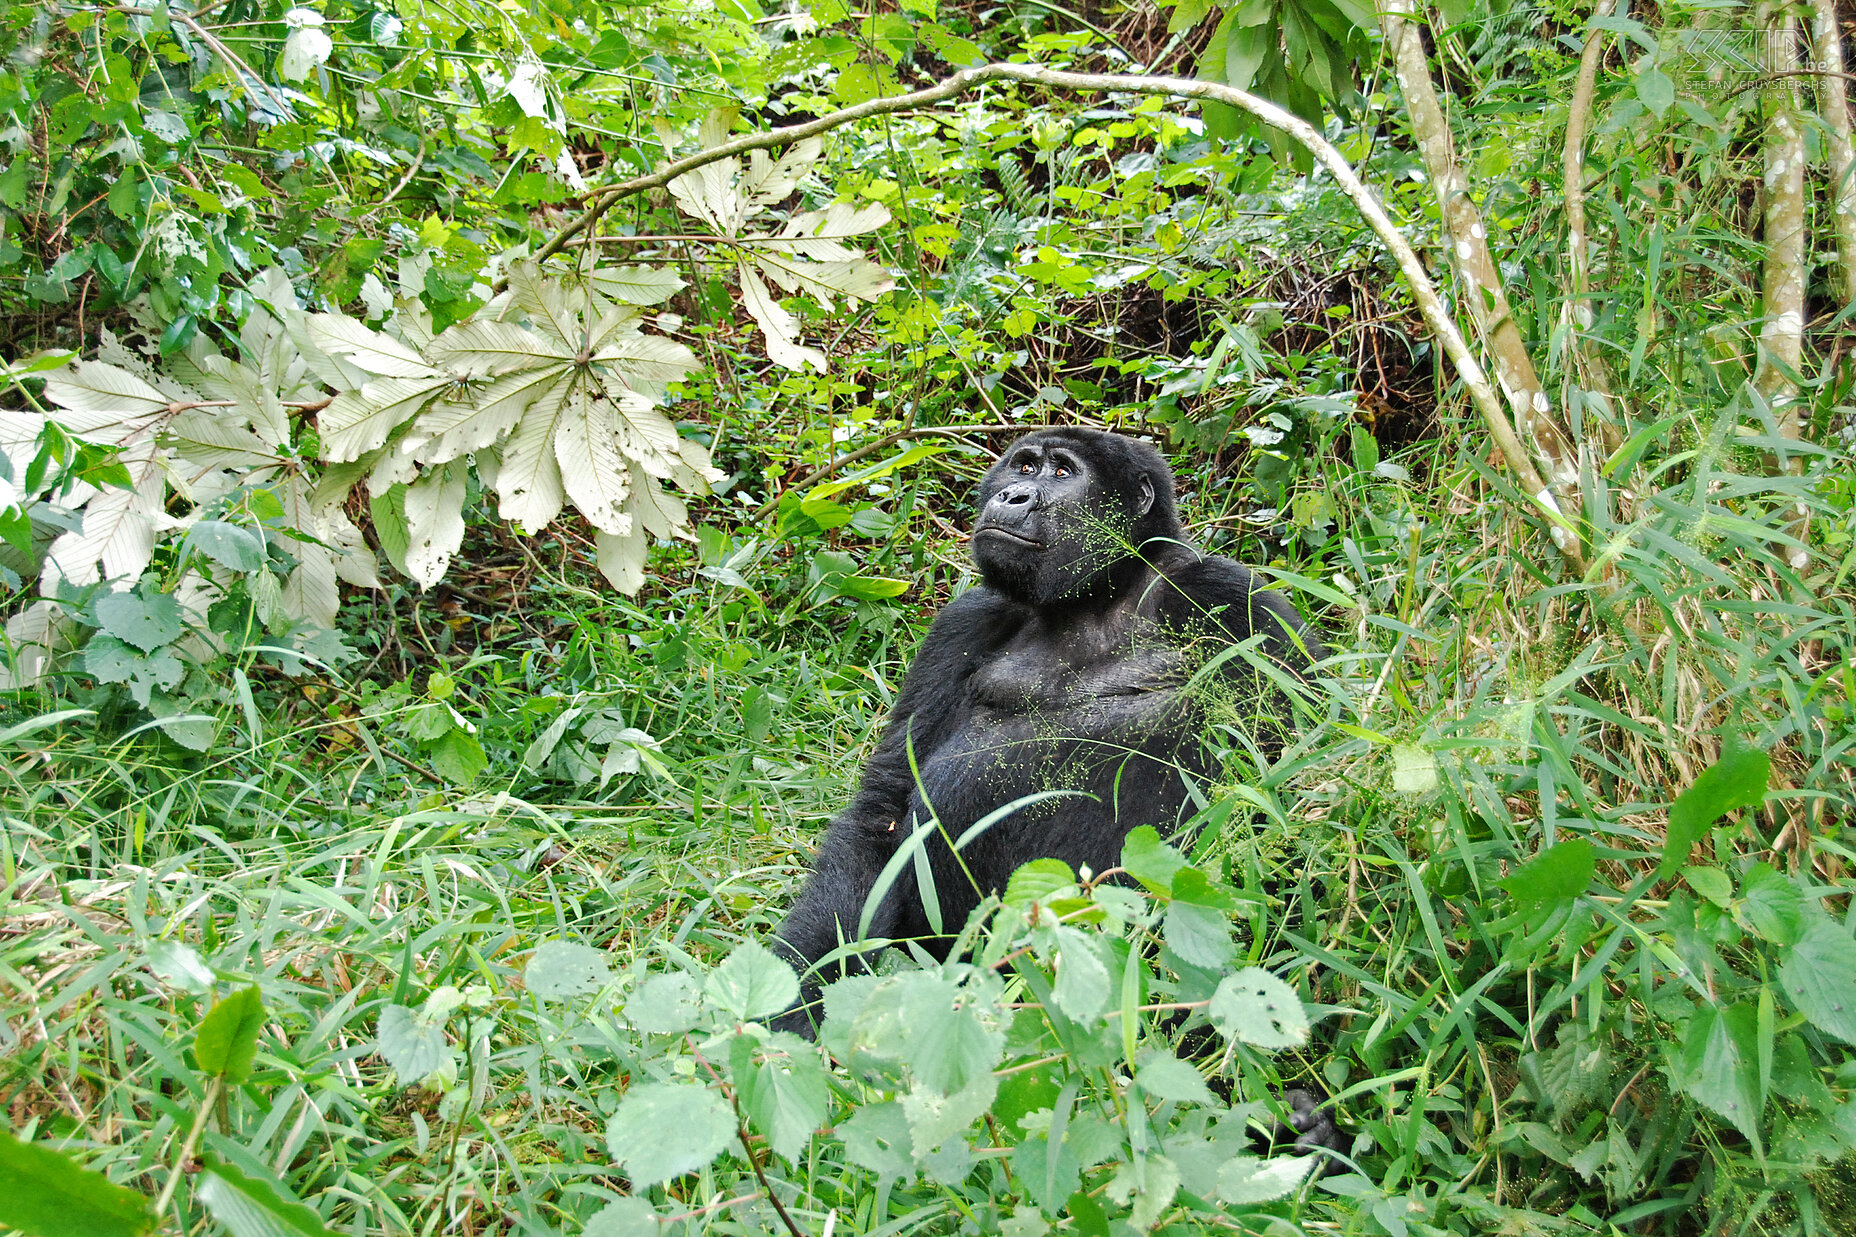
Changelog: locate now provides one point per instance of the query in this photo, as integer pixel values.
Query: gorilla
(1091, 662)
(1075, 668)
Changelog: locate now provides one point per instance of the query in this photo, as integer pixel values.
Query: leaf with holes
(1261, 1010)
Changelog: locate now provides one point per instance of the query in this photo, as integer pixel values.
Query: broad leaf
(45, 1193)
(662, 1130)
(1554, 877)
(1737, 780)
(249, 1207)
(782, 1088)
(1718, 1064)
(753, 982)
(561, 969)
(1819, 977)
(227, 1041)
(1261, 1010)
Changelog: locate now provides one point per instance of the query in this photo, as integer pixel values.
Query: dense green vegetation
(455, 568)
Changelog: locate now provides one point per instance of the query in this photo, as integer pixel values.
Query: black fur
(1064, 671)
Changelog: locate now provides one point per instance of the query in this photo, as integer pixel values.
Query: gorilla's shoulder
(1208, 589)
(979, 619)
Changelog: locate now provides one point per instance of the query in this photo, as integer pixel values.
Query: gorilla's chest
(1089, 689)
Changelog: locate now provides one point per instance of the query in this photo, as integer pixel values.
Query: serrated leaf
(249, 1207)
(1818, 976)
(561, 969)
(457, 756)
(781, 1086)
(117, 540)
(376, 352)
(110, 403)
(1261, 1010)
(227, 1041)
(484, 347)
(413, 1041)
(1166, 1077)
(877, 1139)
(1200, 935)
(1082, 987)
(644, 364)
(1718, 1064)
(593, 473)
(664, 1004)
(1554, 877)
(1149, 860)
(662, 1130)
(360, 420)
(1773, 905)
(623, 1217)
(753, 982)
(767, 183)
(231, 546)
(452, 428)
(45, 1193)
(529, 488)
(1146, 1186)
(1247, 1179)
(146, 622)
(1737, 780)
(1038, 880)
(948, 1044)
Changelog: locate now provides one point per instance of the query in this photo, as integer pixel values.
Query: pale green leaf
(636, 285)
(249, 1207)
(1247, 1179)
(434, 506)
(593, 473)
(776, 324)
(376, 352)
(529, 489)
(753, 982)
(662, 1130)
(47, 1194)
(561, 969)
(1261, 1010)
(360, 420)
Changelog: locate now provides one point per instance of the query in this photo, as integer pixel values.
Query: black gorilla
(1071, 670)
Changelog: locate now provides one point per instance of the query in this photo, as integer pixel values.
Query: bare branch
(1483, 293)
(1576, 310)
(1834, 106)
(1781, 335)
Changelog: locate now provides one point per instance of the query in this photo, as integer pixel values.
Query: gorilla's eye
(1062, 471)
(1026, 468)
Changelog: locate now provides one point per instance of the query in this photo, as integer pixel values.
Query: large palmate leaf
(807, 257)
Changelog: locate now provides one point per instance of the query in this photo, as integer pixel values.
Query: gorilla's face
(1053, 520)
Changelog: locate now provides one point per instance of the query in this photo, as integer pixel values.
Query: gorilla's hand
(1311, 1127)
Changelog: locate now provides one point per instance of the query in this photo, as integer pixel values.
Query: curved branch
(1430, 304)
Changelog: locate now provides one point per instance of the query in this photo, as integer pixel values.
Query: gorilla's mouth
(1010, 536)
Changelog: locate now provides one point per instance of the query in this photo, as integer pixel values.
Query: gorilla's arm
(863, 837)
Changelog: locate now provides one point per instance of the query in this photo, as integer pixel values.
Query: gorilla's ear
(1147, 496)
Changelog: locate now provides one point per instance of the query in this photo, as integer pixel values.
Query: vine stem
(186, 1148)
(1475, 380)
(747, 1147)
